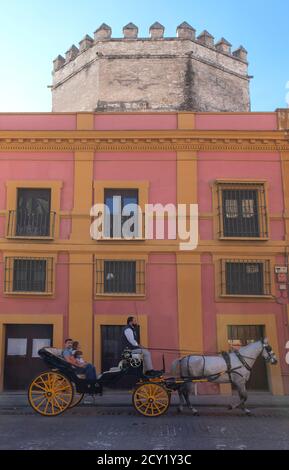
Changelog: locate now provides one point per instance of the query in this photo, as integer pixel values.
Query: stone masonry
(183, 73)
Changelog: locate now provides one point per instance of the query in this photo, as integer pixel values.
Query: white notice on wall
(39, 344)
(17, 347)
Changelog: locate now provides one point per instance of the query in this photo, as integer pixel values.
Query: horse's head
(268, 352)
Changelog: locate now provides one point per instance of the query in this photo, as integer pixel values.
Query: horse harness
(230, 370)
(243, 360)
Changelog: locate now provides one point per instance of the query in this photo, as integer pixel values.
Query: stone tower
(157, 73)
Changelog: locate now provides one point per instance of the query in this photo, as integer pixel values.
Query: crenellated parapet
(158, 72)
(156, 31)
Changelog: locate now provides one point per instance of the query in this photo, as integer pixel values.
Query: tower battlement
(185, 72)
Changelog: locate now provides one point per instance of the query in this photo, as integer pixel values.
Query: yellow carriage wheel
(77, 397)
(50, 393)
(151, 399)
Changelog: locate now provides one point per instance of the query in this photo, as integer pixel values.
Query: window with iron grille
(115, 277)
(242, 210)
(114, 228)
(33, 217)
(28, 275)
(241, 335)
(246, 277)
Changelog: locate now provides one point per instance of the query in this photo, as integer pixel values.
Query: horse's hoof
(195, 412)
(180, 409)
(248, 413)
(230, 407)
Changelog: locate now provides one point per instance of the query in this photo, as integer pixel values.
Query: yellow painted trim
(186, 120)
(84, 121)
(81, 301)
(24, 319)
(85, 139)
(190, 321)
(282, 118)
(83, 177)
(100, 320)
(285, 184)
(130, 256)
(190, 318)
(269, 321)
(54, 186)
(226, 248)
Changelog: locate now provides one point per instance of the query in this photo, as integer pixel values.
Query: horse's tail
(176, 368)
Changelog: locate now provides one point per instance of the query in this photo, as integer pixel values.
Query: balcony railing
(22, 224)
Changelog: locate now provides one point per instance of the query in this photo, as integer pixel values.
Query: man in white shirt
(129, 341)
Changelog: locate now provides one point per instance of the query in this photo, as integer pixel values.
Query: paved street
(112, 424)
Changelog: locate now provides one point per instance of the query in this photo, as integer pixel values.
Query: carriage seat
(58, 353)
(55, 352)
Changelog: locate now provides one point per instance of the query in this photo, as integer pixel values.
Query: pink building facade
(55, 279)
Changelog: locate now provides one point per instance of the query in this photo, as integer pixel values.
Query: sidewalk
(122, 398)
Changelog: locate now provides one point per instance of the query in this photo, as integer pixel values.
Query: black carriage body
(108, 379)
(70, 371)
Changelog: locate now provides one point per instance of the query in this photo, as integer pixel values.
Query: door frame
(21, 319)
(269, 321)
(102, 320)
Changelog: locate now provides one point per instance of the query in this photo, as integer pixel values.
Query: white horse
(234, 367)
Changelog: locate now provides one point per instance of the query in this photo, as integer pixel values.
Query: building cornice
(144, 141)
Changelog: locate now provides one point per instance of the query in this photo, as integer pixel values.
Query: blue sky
(34, 32)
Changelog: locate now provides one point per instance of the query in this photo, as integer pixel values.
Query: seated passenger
(79, 361)
(67, 351)
(75, 347)
(81, 367)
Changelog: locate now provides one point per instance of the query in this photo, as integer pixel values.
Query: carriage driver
(129, 341)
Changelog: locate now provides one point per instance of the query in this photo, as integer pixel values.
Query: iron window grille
(116, 219)
(28, 275)
(245, 278)
(242, 210)
(22, 224)
(114, 277)
(241, 335)
(33, 217)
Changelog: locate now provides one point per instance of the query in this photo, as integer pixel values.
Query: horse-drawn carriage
(62, 387)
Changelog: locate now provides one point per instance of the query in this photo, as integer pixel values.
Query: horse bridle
(242, 358)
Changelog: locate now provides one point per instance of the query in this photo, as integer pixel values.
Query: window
(246, 277)
(120, 277)
(242, 210)
(33, 217)
(116, 200)
(241, 335)
(28, 275)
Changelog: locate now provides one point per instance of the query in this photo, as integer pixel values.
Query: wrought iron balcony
(23, 224)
